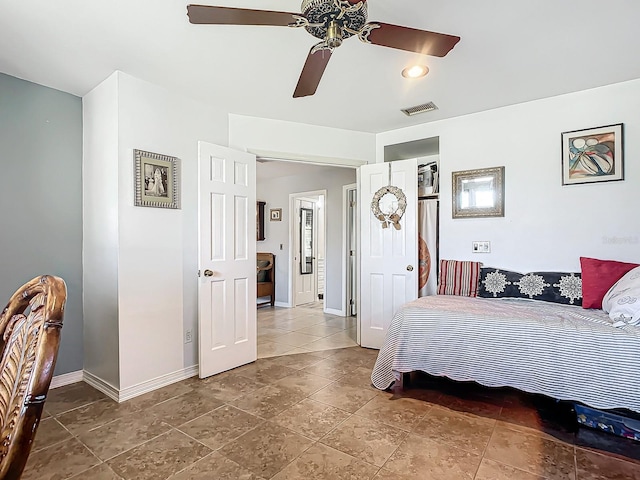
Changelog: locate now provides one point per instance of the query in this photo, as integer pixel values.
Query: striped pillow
(459, 278)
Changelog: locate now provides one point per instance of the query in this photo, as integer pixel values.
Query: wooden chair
(30, 326)
(266, 277)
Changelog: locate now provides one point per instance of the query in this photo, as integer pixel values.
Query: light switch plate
(483, 246)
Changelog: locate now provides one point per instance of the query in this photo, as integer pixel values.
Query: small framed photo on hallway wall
(275, 214)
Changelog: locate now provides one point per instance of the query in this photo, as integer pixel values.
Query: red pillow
(459, 278)
(597, 278)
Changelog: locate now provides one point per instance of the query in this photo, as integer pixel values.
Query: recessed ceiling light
(416, 71)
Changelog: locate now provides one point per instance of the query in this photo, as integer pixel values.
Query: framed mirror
(260, 220)
(306, 241)
(478, 193)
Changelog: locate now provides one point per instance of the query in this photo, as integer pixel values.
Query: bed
(562, 351)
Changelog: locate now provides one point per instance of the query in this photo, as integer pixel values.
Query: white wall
(275, 192)
(140, 263)
(546, 226)
(100, 231)
(140, 309)
(156, 248)
(252, 133)
(159, 247)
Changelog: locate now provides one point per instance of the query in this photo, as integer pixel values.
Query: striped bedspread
(563, 351)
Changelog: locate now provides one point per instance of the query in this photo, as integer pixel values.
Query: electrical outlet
(481, 247)
(188, 336)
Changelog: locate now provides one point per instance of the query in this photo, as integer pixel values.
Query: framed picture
(157, 180)
(478, 193)
(275, 214)
(593, 155)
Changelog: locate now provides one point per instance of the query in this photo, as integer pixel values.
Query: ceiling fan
(332, 21)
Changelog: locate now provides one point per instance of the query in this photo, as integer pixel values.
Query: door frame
(345, 248)
(322, 161)
(293, 223)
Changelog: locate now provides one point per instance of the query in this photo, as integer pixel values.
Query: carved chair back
(266, 277)
(30, 328)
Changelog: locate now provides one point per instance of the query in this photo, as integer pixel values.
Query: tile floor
(284, 331)
(314, 415)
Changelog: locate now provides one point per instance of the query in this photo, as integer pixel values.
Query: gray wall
(41, 198)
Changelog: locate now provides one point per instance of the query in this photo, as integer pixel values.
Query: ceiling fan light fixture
(331, 21)
(334, 35)
(415, 71)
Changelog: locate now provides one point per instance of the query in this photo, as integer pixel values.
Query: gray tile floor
(314, 415)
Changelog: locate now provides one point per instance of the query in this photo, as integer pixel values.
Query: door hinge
(351, 302)
(198, 272)
(352, 203)
(351, 253)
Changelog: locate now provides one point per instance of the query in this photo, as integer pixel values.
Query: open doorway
(323, 323)
(276, 182)
(307, 257)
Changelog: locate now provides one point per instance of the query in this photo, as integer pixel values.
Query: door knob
(208, 273)
(409, 268)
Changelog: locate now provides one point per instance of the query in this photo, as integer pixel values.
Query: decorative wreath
(393, 217)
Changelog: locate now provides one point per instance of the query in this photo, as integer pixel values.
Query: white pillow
(622, 301)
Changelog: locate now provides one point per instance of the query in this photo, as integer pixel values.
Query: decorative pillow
(622, 301)
(495, 283)
(560, 287)
(597, 278)
(459, 278)
(263, 274)
(556, 287)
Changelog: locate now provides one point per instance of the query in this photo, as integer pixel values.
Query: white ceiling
(510, 52)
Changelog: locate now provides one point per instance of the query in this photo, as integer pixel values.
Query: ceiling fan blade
(312, 71)
(211, 15)
(409, 39)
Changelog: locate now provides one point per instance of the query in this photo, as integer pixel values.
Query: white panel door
(227, 249)
(305, 283)
(388, 257)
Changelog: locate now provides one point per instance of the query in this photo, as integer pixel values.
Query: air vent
(424, 108)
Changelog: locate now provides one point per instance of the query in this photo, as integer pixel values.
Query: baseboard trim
(141, 388)
(99, 384)
(282, 304)
(159, 382)
(66, 379)
(333, 311)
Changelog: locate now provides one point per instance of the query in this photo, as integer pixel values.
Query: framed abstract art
(593, 155)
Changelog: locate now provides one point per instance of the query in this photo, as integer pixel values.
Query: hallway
(285, 331)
